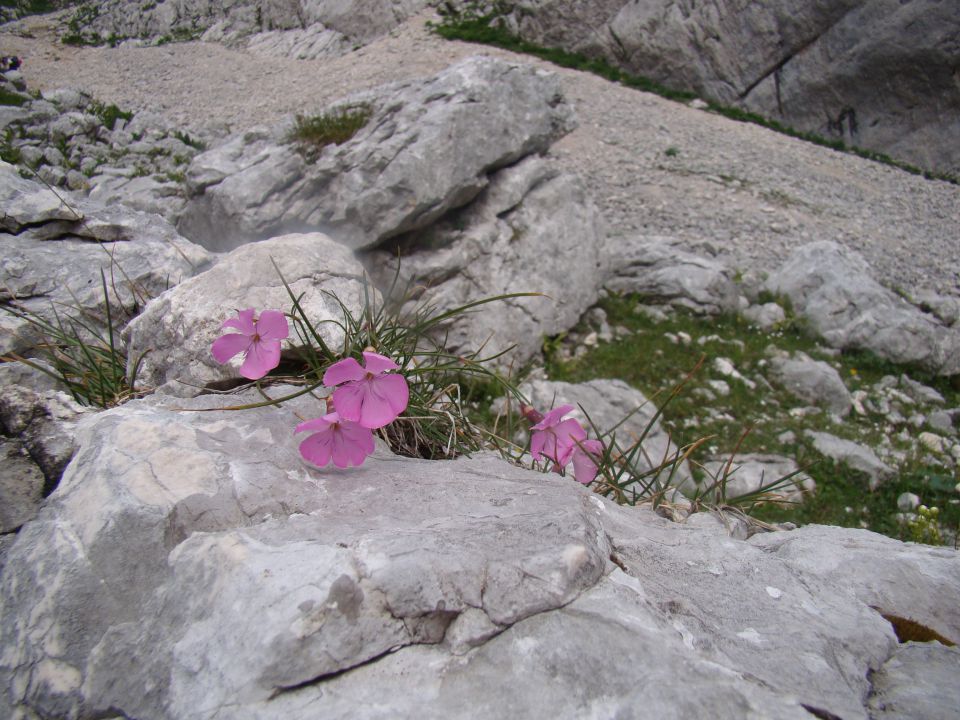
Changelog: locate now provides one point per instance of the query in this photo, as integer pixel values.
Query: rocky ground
(655, 167)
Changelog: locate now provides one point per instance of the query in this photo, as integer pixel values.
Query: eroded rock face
(875, 74)
(427, 148)
(191, 565)
(56, 246)
(352, 21)
(833, 289)
(174, 333)
(531, 230)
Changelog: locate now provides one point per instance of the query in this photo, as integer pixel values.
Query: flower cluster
(562, 442)
(365, 398)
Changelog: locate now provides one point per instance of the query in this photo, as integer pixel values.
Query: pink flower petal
(352, 445)
(318, 448)
(262, 357)
(320, 423)
(585, 459)
(243, 322)
(348, 400)
(538, 439)
(343, 371)
(553, 417)
(273, 325)
(377, 364)
(569, 431)
(229, 345)
(395, 389)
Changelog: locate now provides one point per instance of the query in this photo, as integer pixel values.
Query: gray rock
(427, 148)
(766, 316)
(752, 471)
(609, 403)
(44, 423)
(21, 486)
(942, 422)
(26, 202)
(919, 681)
(853, 455)
(851, 70)
(144, 193)
(919, 392)
(831, 287)
(877, 571)
(358, 20)
(532, 230)
(53, 264)
(175, 331)
(658, 269)
(190, 565)
(311, 43)
(812, 381)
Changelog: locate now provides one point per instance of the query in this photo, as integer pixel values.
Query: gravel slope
(746, 193)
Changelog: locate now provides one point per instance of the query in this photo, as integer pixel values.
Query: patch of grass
(109, 114)
(190, 141)
(488, 29)
(655, 357)
(11, 98)
(91, 363)
(315, 132)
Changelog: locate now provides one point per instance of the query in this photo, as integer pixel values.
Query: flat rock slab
(190, 565)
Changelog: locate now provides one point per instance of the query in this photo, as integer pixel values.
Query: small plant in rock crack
(335, 127)
(89, 361)
(391, 377)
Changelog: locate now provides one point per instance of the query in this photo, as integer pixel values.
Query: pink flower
(345, 442)
(369, 395)
(556, 439)
(258, 340)
(585, 459)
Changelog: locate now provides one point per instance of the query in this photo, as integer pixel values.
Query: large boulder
(171, 339)
(191, 565)
(875, 73)
(832, 288)
(428, 147)
(531, 230)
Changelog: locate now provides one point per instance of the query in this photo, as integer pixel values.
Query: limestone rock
(53, 259)
(190, 565)
(532, 230)
(812, 381)
(832, 288)
(427, 148)
(855, 456)
(44, 423)
(357, 21)
(658, 269)
(873, 74)
(919, 681)
(175, 331)
(766, 316)
(21, 486)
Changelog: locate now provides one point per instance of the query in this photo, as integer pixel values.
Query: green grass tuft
(315, 132)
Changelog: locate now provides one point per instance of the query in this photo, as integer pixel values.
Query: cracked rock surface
(189, 565)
